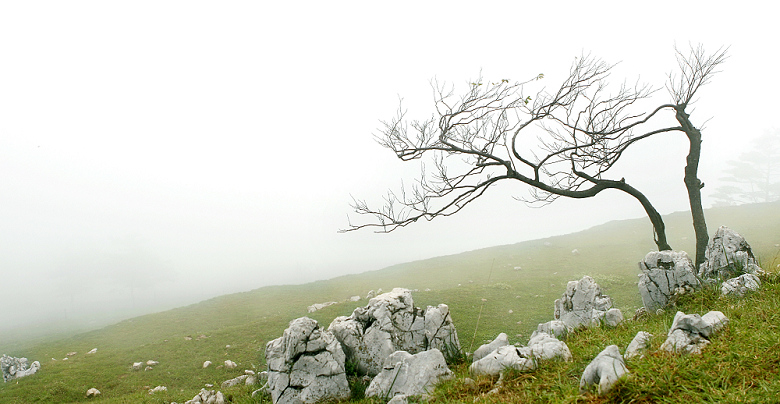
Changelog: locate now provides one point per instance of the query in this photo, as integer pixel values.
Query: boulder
(545, 346)
(229, 364)
(582, 305)
(390, 323)
(665, 275)
(556, 328)
(505, 357)
(137, 365)
(690, 333)
(306, 365)
(604, 371)
(158, 389)
(409, 375)
(639, 344)
(93, 392)
(14, 368)
(484, 350)
(728, 255)
(740, 285)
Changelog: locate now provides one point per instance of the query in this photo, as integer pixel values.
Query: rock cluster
(583, 305)
(391, 323)
(404, 374)
(306, 365)
(495, 357)
(665, 276)
(207, 396)
(690, 333)
(740, 285)
(14, 368)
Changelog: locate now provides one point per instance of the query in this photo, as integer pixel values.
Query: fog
(158, 153)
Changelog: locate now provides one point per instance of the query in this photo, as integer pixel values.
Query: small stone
(93, 392)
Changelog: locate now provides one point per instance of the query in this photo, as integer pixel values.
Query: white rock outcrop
(485, 349)
(404, 374)
(14, 368)
(505, 357)
(604, 371)
(690, 333)
(556, 328)
(306, 365)
(207, 396)
(93, 392)
(206, 364)
(740, 285)
(583, 305)
(728, 255)
(137, 365)
(545, 346)
(158, 389)
(229, 364)
(665, 276)
(319, 306)
(639, 344)
(234, 382)
(390, 323)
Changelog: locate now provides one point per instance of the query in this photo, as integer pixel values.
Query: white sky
(190, 149)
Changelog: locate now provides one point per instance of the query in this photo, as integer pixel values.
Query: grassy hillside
(525, 278)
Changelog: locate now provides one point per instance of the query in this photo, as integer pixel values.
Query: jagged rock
(690, 333)
(306, 365)
(148, 368)
(158, 389)
(137, 365)
(665, 275)
(484, 350)
(390, 323)
(229, 364)
(14, 368)
(545, 346)
(319, 306)
(613, 317)
(505, 357)
(206, 364)
(409, 375)
(234, 382)
(556, 328)
(93, 392)
(355, 298)
(92, 351)
(740, 285)
(208, 396)
(728, 255)
(638, 345)
(152, 363)
(582, 305)
(605, 370)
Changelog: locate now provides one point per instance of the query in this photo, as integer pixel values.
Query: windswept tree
(561, 144)
(755, 175)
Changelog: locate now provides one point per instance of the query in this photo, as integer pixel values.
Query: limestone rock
(582, 305)
(152, 363)
(728, 255)
(319, 306)
(665, 274)
(206, 364)
(604, 371)
(355, 298)
(158, 389)
(234, 382)
(484, 350)
(93, 392)
(229, 364)
(208, 396)
(740, 285)
(639, 344)
(556, 328)
(137, 365)
(92, 351)
(14, 368)
(505, 357)
(306, 365)
(545, 346)
(409, 375)
(390, 323)
(690, 333)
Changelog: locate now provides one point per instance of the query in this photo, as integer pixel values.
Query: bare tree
(560, 144)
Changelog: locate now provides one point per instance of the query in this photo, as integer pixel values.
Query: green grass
(609, 253)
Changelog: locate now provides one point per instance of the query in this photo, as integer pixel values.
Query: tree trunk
(655, 218)
(693, 184)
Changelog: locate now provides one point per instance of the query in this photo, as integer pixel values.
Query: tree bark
(693, 184)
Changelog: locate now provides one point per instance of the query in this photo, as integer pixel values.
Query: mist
(156, 154)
